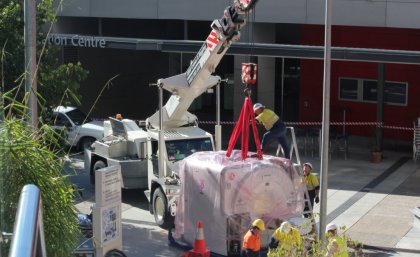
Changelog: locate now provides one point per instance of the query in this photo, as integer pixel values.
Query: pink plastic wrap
(227, 193)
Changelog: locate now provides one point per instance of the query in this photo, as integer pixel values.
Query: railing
(28, 232)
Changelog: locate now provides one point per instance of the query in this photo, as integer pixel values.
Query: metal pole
(325, 121)
(282, 87)
(161, 138)
(218, 128)
(344, 122)
(28, 224)
(379, 131)
(30, 61)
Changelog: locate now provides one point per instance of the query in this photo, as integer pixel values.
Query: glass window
(396, 93)
(348, 88)
(370, 90)
(60, 120)
(78, 117)
(366, 90)
(180, 149)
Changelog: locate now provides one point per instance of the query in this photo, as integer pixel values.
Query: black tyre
(99, 164)
(115, 253)
(160, 210)
(85, 143)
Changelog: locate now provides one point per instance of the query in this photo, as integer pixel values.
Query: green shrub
(26, 158)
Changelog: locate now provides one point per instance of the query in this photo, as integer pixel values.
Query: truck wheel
(99, 164)
(115, 253)
(85, 143)
(160, 210)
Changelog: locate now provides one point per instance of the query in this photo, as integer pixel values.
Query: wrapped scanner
(227, 193)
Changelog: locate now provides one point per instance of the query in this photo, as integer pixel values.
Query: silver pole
(28, 224)
(282, 87)
(325, 121)
(218, 128)
(162, 172)
(30, 60)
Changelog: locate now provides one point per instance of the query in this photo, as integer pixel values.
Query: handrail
(28, 233)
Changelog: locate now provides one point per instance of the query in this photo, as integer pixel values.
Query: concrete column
(264, 91)
(266, 81)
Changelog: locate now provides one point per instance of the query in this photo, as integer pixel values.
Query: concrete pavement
(372, 201)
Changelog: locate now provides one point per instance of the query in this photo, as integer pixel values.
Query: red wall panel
(362, 37)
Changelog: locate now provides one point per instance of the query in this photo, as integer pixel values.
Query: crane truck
(149, 157)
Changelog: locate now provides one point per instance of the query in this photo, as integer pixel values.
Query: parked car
(79, 130)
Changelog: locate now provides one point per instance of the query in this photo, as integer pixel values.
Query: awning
(240, 48)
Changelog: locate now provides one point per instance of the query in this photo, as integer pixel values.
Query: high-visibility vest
(288, 241)
(311, 182)
(251, 241)
(267, 118)
(341, 247)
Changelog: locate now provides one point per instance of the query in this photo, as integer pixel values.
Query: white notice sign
(110, 223)
(108, 183)
(107, 226)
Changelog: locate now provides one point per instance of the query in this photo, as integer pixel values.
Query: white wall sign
(76, 40)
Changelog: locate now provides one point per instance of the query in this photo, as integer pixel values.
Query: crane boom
(186, 87)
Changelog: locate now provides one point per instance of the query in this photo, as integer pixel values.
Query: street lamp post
(30, 61)
(325, 121)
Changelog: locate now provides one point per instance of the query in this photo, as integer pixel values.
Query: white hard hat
(285, 227)
(309, 164)
(258, 106)
(331, 226)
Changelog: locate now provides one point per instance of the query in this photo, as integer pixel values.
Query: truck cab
(135, 150)
(179, 143)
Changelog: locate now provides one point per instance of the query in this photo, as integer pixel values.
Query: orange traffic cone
(200, 249)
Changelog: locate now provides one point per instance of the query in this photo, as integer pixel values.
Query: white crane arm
(185, 87)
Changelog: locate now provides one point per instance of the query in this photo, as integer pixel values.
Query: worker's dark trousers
(312, 195)
(249, 253)
(278, 131)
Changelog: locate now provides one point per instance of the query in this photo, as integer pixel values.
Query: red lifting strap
(247, 114)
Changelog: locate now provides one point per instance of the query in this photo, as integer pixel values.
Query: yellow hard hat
(259, 223)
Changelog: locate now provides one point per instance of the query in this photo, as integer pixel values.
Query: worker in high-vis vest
(337, 245)
(276, 128)
(251, 244)
(287, 238)
(312, 185)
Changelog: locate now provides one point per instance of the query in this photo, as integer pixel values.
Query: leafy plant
(55, 80)
(30, 155)
(27, 158)
(312, 247)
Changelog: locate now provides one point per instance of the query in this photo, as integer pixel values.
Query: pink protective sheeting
(227, 193)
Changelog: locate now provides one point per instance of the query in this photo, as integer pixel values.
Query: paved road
(371, 200)
(141, 236)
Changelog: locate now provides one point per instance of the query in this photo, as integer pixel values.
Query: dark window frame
(364, 98)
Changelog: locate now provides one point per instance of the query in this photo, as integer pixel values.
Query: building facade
(120, 75)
